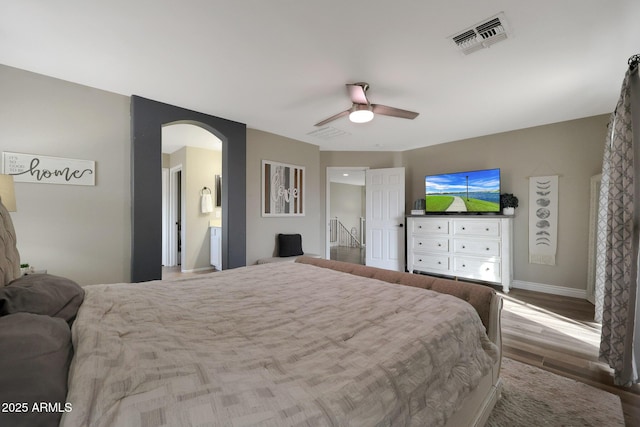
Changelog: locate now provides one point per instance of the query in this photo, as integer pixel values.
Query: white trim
(166, 227)
(172, 241)
(550, 289)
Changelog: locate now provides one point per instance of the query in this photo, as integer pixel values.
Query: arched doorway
(191, 162)
(147, 119)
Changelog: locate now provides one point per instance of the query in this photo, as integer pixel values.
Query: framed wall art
(282, 189)
(543, 219)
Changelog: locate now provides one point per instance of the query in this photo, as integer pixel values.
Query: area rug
(534, 397)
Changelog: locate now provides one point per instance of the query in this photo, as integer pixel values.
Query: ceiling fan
(363, 111)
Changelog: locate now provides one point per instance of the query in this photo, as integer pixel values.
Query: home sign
(48, 170)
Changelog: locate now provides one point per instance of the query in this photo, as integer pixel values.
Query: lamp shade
(7, 193)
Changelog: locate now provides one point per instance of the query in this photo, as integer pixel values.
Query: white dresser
(471, 247)
(216, 247)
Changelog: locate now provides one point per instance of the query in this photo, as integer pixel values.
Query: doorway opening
(346, 213)
(172, 229)
(193, 157)
(147, 119)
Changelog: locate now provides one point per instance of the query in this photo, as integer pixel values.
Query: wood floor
(347, 254)
(558, 334)
(176, 273)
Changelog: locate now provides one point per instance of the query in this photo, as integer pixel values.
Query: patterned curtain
(618, 236)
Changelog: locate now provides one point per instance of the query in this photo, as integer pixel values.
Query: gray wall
(262, 232)
(85, 232)
(80, 232)
(573, 150)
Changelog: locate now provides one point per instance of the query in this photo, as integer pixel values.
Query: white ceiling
(280, 66)
(176, 136)
(351, 176)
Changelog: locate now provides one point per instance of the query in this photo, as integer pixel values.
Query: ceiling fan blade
(393, 112)
(357, 93)
(332, 118)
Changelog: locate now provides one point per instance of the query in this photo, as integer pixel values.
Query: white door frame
(173, 202)
(327, 203)
(166, 222)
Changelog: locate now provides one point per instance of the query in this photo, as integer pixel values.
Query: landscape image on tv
(473, 191)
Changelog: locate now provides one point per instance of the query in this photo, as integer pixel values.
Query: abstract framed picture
(282, 189)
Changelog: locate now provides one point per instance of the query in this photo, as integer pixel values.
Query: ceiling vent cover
(327, 133)
(481, 35)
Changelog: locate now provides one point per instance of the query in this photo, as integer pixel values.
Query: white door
(385, 218)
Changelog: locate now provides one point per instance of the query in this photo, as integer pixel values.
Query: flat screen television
(463, 192)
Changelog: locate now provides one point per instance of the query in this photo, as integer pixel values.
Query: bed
(315, 342)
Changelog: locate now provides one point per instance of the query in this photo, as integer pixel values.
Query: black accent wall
(147, 119)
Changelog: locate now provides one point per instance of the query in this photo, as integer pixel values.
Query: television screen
(472, 191)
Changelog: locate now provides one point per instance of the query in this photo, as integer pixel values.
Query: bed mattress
(282, 344)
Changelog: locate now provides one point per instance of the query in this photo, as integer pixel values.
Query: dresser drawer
(431, 262)
(426, 225)
(486, 228)
(477, 247)
(431, 244)
(475, 268)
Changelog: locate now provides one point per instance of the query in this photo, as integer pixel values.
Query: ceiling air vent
(481, 35)
(327, 133)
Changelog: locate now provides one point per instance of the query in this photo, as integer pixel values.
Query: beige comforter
(281, 344)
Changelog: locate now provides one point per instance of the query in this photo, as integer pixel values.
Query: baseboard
(550, 289)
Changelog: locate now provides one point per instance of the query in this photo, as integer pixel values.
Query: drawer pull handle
(419, 226)
(488, 249)
(439, 244)
(463, 228)
(439, 262)
(464, 247)
(464, 265)
(420, 260)
(420, 243)
(487, 269)
(439, 227)
(486, 229)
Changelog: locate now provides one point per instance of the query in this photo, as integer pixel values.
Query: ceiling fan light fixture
(361, 113)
